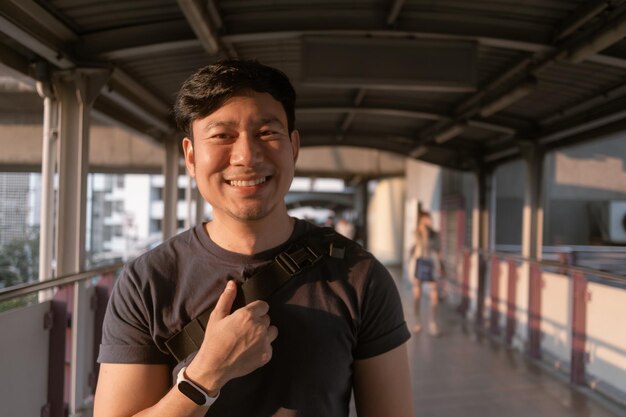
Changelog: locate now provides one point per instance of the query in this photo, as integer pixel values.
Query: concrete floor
(460, 373)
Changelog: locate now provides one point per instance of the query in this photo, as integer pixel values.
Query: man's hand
(234, 344)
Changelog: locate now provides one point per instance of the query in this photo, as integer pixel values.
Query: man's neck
(250, 237)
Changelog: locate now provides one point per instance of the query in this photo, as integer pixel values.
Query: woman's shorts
(424, 269)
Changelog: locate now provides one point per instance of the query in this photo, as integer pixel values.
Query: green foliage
(17, 302)
(19, 260)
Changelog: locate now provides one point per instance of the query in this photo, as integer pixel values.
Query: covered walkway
(463, 372)
(512, 137)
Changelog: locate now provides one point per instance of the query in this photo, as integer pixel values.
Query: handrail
(31, 287)
(613, 279)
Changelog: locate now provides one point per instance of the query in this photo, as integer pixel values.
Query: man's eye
(268, 134)
(222, 136)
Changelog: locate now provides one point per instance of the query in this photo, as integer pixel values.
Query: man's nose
(246, 150)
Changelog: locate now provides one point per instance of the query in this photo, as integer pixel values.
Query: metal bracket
(48, 320)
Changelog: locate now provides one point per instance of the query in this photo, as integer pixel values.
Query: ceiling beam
(36, 29)
(394, 12)
(358, 100)
(410, 114)
(580, 17)
(33, 27)
(576, 49)
(609, 31)
(493, 42)
(198, 17)
(113, 42)
(148, 50)
(377, 111)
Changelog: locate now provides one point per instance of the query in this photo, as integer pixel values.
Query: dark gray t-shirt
(336, 312)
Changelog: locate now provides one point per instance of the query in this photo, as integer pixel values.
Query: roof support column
(76, 91)
(532, 240)
(194, 204)
(532, 228)
(48, 165)
(190, 220)
(170, 190)
(481, 236)
(199, 205)
(361, 201)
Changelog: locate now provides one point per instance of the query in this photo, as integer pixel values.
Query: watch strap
(192, 390)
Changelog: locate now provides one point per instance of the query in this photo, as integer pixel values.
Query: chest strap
(301, 255)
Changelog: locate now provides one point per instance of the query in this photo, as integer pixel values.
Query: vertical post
(465, 292)
(446, 210)
(532, 240)
(460, 228)
(76, 90)
(361, 202)
(57, 322)
(460, 246)
(199, 206)
(48, 165)
(482, 236)
(534, 311)
(170, 190)
(532, 228)
(189, 207)
(579, 328)
(495, 295)
(511, 305)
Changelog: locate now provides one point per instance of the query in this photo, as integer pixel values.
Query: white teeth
(250, 183)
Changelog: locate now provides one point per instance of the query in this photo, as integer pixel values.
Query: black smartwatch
(192, 390)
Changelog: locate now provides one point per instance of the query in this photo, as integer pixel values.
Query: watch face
(191, 392)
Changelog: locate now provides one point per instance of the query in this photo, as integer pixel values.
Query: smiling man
(254, 313)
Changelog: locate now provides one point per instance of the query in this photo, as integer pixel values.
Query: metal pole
(170, 190)
(532, 240)
(76, 90)
(481, 238)
(199, 206)
(189, 207)
(46, 219)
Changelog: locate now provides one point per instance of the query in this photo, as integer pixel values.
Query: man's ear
(190, 160)
(295, 144)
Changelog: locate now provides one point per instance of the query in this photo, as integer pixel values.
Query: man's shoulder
(167, 252)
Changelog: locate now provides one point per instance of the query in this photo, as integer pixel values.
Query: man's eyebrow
(219, 123)
(270, 120)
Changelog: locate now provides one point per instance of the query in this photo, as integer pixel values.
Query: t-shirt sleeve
(382, 325)
(126, 336)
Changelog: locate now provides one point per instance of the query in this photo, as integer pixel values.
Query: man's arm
(128, 389)
(234, 345)
(382, 385)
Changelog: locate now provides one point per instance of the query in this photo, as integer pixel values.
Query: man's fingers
(272, 333)
(225, 302)
(258, 307)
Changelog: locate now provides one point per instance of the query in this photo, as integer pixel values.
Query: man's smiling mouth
(249, 183)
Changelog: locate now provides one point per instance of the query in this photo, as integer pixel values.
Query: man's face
(243, 157)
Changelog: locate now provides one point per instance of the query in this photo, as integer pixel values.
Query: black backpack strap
(302, 254)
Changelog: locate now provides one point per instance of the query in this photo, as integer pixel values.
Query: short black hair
(210, 87)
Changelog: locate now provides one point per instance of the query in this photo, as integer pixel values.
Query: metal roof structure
(457, 83)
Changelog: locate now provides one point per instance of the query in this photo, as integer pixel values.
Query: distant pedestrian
(425, 267)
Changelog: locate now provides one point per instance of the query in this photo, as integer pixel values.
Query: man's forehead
(265, 113)
(209, 122)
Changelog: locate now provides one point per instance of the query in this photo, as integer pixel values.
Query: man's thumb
(225, 302)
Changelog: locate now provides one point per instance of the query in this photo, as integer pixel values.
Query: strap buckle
(294, 261)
